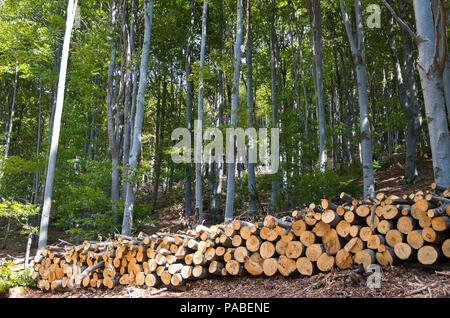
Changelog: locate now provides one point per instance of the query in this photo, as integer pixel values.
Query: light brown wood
(415, 239)
(406, 224)
(253, 267)
(343, 229)
(280, 247)
(305, 266)
(429, 254)
(325, 262)
(286, 266)
(393, 237)
(344, 259)
(234, 267)
(365, 257)
(270, 266)
(403, 251)
(267, 249)
(431, 236)
(241, 253)
(384, 226)
(314, 251)
(294, 249)
(308, 238)
(298, 227)
(332, 242)
(387, 257)
(374, 241)
(446, 248)
(321, 229)
(441, 223)
(253, 243)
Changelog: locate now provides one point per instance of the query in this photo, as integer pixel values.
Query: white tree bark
(136, 145)
(430, 71)
(198, 128)
(357, 49)
(71, 8)
(234, 107)
(318, 62)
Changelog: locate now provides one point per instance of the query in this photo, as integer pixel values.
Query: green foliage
(11, 278)
(20, 213)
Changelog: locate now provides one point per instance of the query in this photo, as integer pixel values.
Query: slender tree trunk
(234, 107)
(56, 127)
(136, 145)
(251, 165)
(199, 139)
(112, 131)
(357, 49)
(430, 71)
(217, 191)
(318, 62)
(188, 181)
(273, 93)
(128, 38)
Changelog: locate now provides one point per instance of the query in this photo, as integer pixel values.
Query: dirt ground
(395, 282)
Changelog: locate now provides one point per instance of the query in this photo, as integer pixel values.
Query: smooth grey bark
(318, 62)
(71, 8)
(251, 166)
(273, 93)
(188, 180)
(406, 95)
(357, 49)
(217, 188)
(128, 37)
(112, 106)
(231, 166)
(136, 145)
(198, 128)
(430, 66)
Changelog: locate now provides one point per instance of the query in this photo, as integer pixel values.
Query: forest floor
(397, 281)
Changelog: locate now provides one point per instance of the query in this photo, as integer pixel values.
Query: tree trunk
(432, 86)
(317, 52)
(136, 145)
(199, 141)
(273, 93)
(188, 181)
(234, 107)
(56, 127)
(357, 49)
(251, 165)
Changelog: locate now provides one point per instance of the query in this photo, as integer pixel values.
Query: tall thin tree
(45, 218)
(136, 145)
(234, 107)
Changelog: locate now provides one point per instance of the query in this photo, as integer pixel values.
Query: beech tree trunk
(199, 140)
(430, 71)
(234, 107)
(357, 49)
(71, 7)
(136, 146)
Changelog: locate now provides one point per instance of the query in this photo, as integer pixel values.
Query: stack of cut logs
(322, 237)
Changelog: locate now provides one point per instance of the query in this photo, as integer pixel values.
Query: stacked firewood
(322, 237)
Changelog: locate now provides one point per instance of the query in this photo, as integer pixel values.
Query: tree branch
(348, 29)
(400, 21)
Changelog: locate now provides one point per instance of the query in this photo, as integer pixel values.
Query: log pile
(323, 237)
